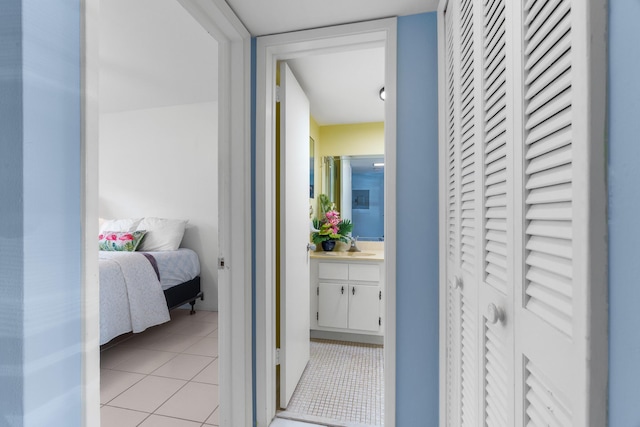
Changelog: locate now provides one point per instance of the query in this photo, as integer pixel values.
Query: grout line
(151, 374)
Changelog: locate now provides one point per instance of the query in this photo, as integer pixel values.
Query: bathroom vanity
(347, 295)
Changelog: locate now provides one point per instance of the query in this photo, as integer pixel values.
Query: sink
(343, 254)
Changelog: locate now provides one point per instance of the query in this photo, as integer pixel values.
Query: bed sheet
(176, 267)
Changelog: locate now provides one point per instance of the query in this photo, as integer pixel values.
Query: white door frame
(270, 49)
(234, 163)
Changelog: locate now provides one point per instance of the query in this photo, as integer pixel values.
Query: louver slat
(496, 380)
(549, 143)
(451, 136)
(469, 365)
(450, 345)
(558, 49)
(453, 200)
(467, 132)
(548, 170)
(495, 145)
(544, 23)
(534, 7)
(551, 73)
(550, 246)
(544, 404)
(557, 193)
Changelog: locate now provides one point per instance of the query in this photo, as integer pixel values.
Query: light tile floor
(343, 385)
(166, 376)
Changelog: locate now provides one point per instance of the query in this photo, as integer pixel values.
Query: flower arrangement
(331, 227)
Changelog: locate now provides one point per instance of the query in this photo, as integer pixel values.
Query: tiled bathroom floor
(343, 385)
(166, 376)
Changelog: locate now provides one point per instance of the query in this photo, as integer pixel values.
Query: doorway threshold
(312, 421)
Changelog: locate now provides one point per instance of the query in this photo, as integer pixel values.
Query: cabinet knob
(495, 314)
(342, 290)
(353, 290)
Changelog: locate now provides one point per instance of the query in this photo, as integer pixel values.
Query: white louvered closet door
(519, 297)
(551, 307)
(497, 284)
(463, 217)
(470, 190)
(453, 238)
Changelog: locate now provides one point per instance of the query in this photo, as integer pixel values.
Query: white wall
(163, 162)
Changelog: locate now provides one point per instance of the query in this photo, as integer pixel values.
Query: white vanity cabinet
(347, 296)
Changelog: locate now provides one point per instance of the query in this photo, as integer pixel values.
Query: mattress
(176, 267)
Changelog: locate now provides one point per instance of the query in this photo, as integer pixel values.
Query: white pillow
(162, 234)
(129, 224)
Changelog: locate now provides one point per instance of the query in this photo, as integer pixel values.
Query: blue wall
(417, 222)
(40, 240)
(624, 206)
(11, 243)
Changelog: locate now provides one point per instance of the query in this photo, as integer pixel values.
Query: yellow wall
(351, 140)
(348, 140)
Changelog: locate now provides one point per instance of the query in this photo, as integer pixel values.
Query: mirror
(356, 185)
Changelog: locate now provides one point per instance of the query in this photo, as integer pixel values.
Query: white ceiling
(343, 87)
(262, 17)
(154, 54)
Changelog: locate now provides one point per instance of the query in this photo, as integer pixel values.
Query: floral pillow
(120, 240)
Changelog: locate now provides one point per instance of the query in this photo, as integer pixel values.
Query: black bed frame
(187, 292)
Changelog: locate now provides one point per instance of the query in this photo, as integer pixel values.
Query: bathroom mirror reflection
(356, 185)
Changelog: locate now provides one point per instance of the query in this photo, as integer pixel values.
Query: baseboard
(347, 336)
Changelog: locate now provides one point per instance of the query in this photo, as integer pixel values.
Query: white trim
(90, 65)
(286, 46)
(442, 226)
(590, 191)
(234, 143)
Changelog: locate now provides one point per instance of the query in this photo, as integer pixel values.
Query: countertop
(365, 255)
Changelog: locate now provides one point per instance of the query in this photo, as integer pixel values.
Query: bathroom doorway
(289, 47)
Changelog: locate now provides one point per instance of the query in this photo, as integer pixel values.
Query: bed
(139, 287)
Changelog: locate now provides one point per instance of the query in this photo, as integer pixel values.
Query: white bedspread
(131, 298)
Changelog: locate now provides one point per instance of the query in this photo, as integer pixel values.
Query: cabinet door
(364, 307)
(332, 305)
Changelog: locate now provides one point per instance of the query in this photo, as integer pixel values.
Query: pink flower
(100, 237)
(333, 217)
(112, 237)
(126, 237)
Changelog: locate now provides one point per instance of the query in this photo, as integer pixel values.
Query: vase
(328, 245)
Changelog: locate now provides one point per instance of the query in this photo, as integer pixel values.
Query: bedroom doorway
(217, 22)
(284, 47)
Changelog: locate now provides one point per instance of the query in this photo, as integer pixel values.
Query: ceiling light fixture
(382, 94)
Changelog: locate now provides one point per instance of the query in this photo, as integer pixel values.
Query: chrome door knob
(311, 247)
(495, 314)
